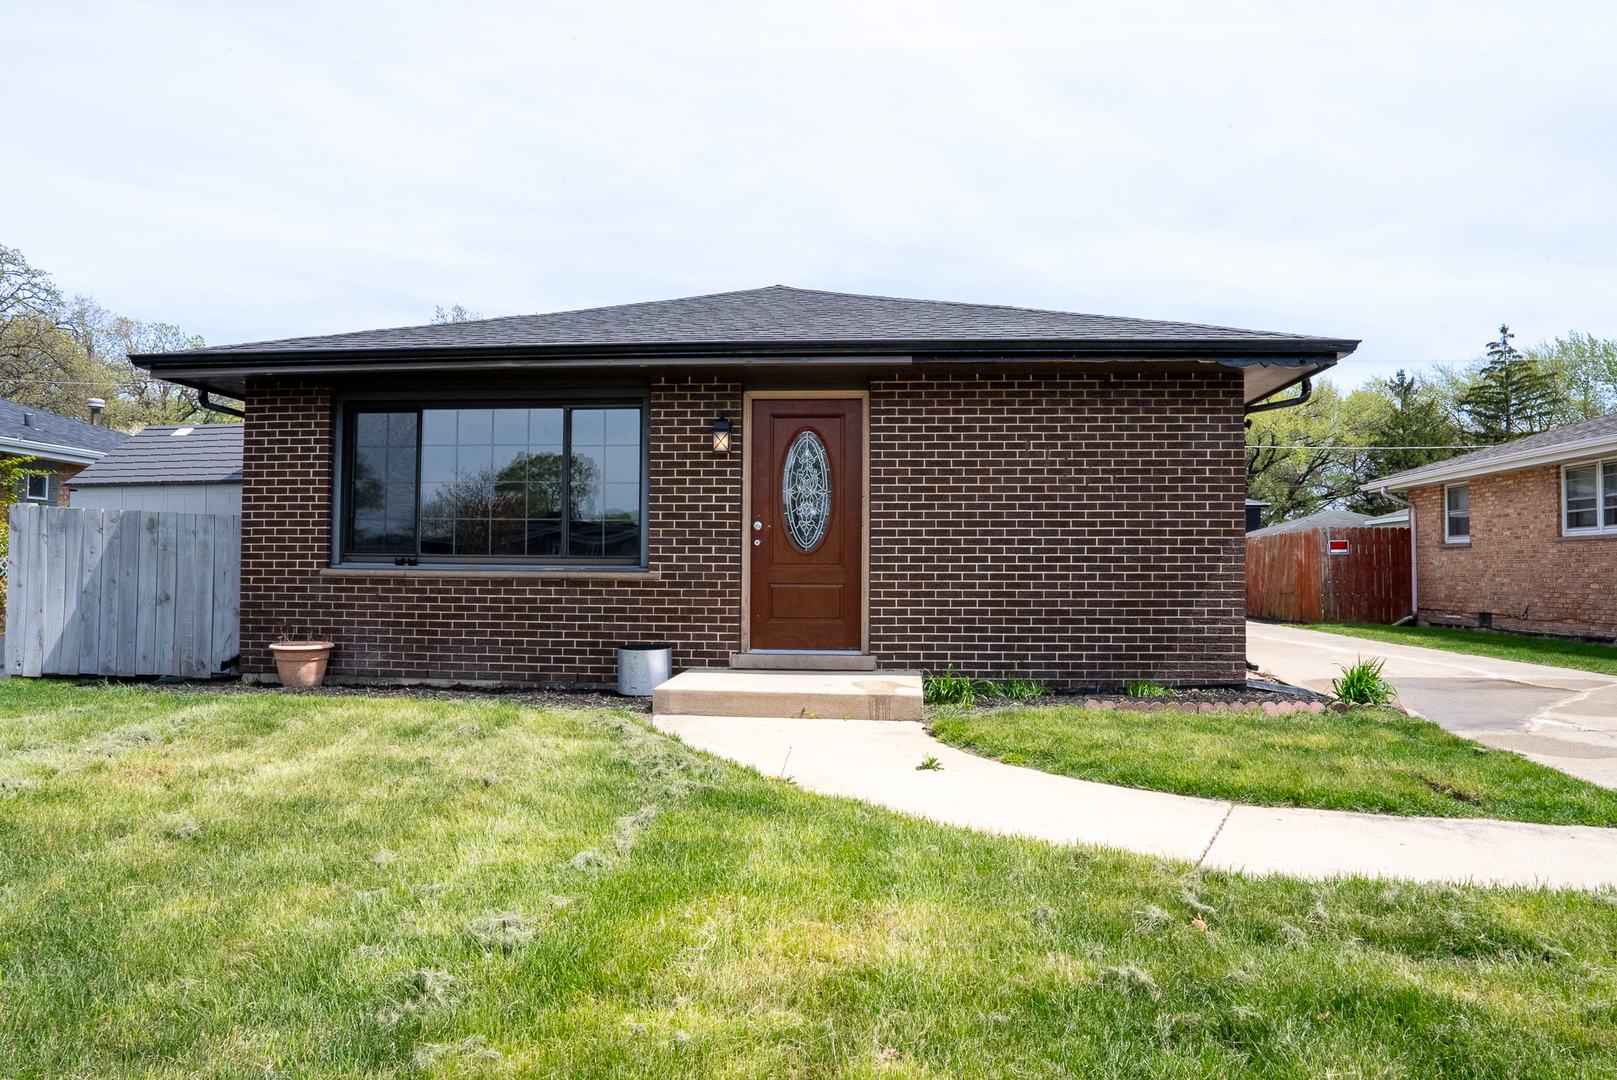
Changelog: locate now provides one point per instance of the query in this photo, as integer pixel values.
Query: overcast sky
(1408, 173)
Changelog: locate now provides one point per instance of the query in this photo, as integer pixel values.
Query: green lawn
(1529, 650)
(1374, 760)
(265, 886)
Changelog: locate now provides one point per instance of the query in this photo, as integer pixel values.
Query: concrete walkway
(875, 761)
(1555, 716)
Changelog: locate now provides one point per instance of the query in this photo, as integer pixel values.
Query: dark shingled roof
(780, 315)
(57, 430)
(206, 454)
(1547, 441)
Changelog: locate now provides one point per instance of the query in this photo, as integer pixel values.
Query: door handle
(757, 525)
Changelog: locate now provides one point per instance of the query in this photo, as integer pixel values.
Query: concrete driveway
(1558, 717)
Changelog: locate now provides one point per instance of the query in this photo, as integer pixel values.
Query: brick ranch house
(907, 484)
(1519, 537)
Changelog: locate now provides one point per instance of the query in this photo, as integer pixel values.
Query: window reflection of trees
(383, 482)
(483, 510)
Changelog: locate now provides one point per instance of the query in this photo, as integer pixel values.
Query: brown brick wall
(1082, 529)
(553, 632)
(1518, 567)
(64, 473)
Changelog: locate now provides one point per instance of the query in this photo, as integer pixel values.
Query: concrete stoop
(884, 695)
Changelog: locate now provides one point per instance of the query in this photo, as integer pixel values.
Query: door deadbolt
(757, 543)
(757, 525)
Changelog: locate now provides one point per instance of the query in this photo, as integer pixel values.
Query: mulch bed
(551, 699)
(1205, 699)
(1251, 698)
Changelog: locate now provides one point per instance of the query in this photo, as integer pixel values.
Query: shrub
(951, 689)
(1020, 689)
(1362, 684)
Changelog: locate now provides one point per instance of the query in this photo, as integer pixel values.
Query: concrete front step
(884, 695)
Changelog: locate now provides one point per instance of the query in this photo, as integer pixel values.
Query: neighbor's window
(546, 485)
(1589, 498)
(1458, 529)
(39, 487)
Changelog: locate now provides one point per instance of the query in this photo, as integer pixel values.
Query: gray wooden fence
(122, 592)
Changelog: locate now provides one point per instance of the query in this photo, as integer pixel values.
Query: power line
(1266, 446)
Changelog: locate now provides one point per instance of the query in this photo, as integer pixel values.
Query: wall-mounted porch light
(721, 436)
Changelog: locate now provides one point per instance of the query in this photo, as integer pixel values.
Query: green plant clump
(949, 688)
(1362, 683)
(1146, 688)
(1019, 689)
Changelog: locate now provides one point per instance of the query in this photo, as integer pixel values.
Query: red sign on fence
(1339, 547)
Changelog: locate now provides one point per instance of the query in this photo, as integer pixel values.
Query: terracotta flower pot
(302, 663)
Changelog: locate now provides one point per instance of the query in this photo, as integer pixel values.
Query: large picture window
(543, 485)
(1589, 498)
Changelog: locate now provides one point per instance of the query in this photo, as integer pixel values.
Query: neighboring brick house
(60, 447)
(1520, 536)
(770, 478)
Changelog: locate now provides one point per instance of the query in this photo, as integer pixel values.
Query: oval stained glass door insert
(805, 491)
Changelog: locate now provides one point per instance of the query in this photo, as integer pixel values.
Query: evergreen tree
(1412, 421)
(1509, 397)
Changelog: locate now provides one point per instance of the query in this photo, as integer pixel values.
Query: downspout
(214, 406)
(1287, 403)
(1414, 566)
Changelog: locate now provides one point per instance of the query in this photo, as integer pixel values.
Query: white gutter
(71, 455)
(1558, 454)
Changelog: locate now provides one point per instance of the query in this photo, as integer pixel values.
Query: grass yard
(263, 886)
(1529, 650)
(1374, 760)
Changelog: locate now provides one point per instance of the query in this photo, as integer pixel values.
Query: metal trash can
(642, 667)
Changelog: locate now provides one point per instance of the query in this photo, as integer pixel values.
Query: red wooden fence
(1293, 577)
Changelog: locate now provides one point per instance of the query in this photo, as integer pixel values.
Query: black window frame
(349, 410)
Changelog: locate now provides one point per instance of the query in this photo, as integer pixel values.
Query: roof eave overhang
(226, 373)
(68, 455)
(931, 349)
(1559, 454)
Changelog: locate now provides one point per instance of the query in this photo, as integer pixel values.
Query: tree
(1509, 397)
(1413, 419)
(57, 354)
(455, 314)
(35, 350)
(1296, 482)
(1585, 369)
(12, 470)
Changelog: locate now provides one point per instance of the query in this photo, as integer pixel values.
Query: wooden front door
(806, 530)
